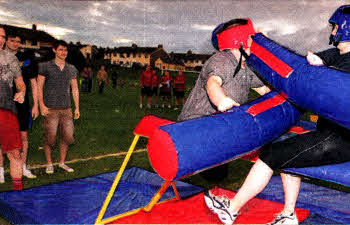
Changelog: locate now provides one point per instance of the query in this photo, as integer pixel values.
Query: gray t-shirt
(57, 84)
(222, 64)
(9, 70)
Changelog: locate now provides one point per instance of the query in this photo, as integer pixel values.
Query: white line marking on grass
(90, 158)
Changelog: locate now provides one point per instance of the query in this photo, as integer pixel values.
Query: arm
(313, 59)
(21, 89)
(75, 92)
(35, 109)
(141, 79)
(217, 95)
(40, 82)
(262, 90)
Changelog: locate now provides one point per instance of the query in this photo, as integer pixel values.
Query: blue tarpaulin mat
(79, 201)
(327, 206)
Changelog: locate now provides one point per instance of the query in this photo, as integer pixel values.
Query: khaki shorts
(63, 119)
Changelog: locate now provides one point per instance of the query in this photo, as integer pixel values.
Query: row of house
(155, 56)
(41, 42)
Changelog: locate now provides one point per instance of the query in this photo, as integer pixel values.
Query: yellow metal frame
(146, 208)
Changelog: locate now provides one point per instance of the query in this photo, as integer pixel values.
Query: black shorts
(146, 90)
(154, 91)
(24, 116)
(165, 93)
(178, 93)
(316, 148)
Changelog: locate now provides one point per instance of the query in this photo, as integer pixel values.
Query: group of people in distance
(50, 84)
(167, 85)
(224, 82)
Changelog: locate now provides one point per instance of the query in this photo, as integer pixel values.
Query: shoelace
(280, 217)
(222, 200)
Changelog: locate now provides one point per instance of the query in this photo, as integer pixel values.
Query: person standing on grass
(114, 77)
(102, 77)
(10, 137)
(90, 74)
(29, 70)
(179, 89)
(165, 88)
(155, 83)
(85, 76)
(146, 83)
(54, 81)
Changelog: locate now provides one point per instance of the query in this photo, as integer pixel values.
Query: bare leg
(149, 101)
(63, 151)
(291, 186)
(47, 150)
(1, 159)
(255, 182)
(24, 137)
(141, 99)
(15, 164)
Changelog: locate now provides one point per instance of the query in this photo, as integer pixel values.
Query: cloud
(122, 40)
(203, 27)
(95, 12)
(58, 32)
(5, 13)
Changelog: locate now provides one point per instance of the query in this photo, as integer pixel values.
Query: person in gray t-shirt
(54, 81)
(220, 85)
(224, 81)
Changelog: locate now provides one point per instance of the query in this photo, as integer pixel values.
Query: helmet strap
(239, 66)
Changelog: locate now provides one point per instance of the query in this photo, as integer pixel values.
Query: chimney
(34, 27)
(160, 46)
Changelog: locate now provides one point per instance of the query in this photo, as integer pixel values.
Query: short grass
(106, 126)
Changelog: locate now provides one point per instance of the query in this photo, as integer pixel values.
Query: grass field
(106, 127)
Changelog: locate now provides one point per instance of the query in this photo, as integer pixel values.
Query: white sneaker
(140, 106)
(66, 168)
(169, 106)
(288, 219)
(2, 175)
(27, 173)
(220, 205)
(49, 169)
(148, 106)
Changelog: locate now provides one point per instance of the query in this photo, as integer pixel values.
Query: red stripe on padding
(265, 105)
(162, 154)
(252, 156)
(148, 124)
(298, 130)
(282, 68)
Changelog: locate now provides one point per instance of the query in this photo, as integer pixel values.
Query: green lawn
(105, 127)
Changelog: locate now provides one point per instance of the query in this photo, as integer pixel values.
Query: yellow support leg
(116, 180)
(157, 196)
(175, 191)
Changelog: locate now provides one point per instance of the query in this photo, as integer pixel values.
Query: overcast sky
(179, 25)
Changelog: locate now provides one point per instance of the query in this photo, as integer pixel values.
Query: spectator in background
(90, 75)
(25, 115)
(146, 86)
(155, 84)
(114, 77)
(165, 88)
(10, 137)
(179, 89)
(101, 78)
(54, 81)
(85, 76)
